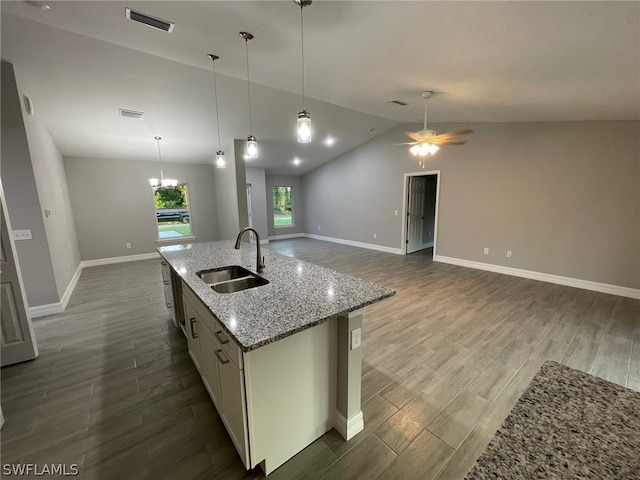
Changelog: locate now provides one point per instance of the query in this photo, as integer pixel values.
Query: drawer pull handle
(219, 354)
(169, 305)
(194, 332)
(221, 338)
(166, 282)
(164, 263)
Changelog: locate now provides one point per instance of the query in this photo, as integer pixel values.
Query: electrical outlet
(508, 253)
(22, 235)
(486, 251)
(128, 245)
(356, 338)
(375, 235)
(318, 228)
(395, 212)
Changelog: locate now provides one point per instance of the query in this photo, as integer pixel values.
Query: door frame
(405, 208)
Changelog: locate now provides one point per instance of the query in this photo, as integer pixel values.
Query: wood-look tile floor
(114, 390)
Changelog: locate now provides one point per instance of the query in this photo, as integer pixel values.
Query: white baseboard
(543, 277)
(126, 258)
(44, 310)
(286, 236)
(370, 246)
(71, 287)
(348, 428)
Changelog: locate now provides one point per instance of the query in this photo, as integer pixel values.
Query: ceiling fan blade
(457, 133)
(414, 136)
(450, 142)
(407, 143)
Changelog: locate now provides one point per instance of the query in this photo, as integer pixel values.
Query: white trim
(44, 310)
(348, 428)
(405, 200)
(172, 240)
(370, 246)
(264, 242)
(286, 236)
(64, 301)
(127, 258)
(543, 277)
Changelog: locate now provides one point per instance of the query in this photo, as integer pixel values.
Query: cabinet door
(209, 364)
(193, 335)
(233, 402)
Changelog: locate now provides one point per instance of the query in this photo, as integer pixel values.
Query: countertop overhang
(299, 295)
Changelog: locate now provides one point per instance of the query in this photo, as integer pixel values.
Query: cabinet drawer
(229, 345)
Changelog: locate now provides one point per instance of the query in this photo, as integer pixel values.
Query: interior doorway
(421, 193)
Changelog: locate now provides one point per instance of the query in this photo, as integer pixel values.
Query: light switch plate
(356, 338)
(22, 235)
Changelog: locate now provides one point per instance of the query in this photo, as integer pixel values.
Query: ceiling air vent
(131, 114)
(398, 102)
(149, 20)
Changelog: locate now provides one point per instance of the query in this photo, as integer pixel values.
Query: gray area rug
(566, 425)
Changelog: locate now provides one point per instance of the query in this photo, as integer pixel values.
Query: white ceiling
(505, 61)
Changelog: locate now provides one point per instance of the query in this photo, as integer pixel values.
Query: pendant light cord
(246, 46)
(215, 94)
(160, 157)
(302, 50)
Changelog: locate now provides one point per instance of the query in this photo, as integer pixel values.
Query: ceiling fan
(427, 142)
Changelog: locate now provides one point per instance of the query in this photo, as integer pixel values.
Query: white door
(16, 335)
(415, 213)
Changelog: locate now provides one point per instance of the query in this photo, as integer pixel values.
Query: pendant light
(163, 182)
(303, 124)
(252, 142)
(220, 161)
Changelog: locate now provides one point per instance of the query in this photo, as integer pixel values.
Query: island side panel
(290, 388)
(348, 417)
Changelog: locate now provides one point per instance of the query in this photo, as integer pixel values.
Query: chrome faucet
(259, 257)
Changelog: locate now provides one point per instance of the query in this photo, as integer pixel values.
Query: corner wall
(564, 197)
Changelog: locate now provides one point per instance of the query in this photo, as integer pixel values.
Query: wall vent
(398, 102)
(131, 114)
(154, 22)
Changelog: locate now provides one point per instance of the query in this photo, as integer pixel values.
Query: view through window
(282, 212)
(172, 211)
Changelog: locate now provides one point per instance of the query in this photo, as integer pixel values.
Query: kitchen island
(281, 361)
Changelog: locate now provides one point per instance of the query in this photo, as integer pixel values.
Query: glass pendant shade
(220, 161)
(154, 182)
(252, 147)
(304, 127)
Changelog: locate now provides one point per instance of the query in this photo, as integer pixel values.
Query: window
(172, 212)
(282, 213)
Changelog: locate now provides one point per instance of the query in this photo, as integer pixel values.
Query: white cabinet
(219, 362)
(168, 291)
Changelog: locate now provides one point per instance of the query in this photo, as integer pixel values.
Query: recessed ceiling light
(297, 161)
(329, 141)
(149, 20)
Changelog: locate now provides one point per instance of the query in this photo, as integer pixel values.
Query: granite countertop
(299, 294)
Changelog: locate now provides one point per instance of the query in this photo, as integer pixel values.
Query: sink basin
(231, 279)
(223, 274)
(240, 284)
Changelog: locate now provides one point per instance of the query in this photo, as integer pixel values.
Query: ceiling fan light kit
(426, 142)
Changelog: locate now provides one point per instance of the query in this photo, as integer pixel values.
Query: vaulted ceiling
(80, 61)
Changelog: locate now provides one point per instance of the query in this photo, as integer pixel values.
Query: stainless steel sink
(223, 274)
(231, 279)
(239, 284)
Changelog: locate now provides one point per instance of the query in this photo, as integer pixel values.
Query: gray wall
(113, 204)
(297, 204)
(256, 177)
(48, 167)
(563, 196)
(23, 203)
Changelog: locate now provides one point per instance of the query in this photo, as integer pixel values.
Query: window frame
(291, 200)
(180, 238)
